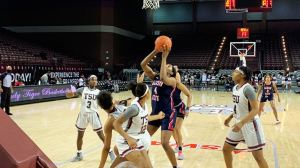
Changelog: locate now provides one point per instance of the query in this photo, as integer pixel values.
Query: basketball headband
(145, 91)
(239, 70)
(92, 76)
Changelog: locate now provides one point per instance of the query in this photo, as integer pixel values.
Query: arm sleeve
(249, 93)
(131, 111)
(79, 91)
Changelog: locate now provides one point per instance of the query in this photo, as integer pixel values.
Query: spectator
(204, 79)
(81, 81)
(5, 89)
(59, 81)
(45, 78)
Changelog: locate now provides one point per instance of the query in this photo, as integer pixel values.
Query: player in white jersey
(114, 110)
(247, 127)
(131, 124)
(88, 113)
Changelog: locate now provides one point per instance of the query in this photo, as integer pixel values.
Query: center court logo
(212, 109)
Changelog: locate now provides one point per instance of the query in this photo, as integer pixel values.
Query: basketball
(161, 41)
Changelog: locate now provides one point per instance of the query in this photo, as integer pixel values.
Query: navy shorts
(266, 98)
(180, 110)
(168, 123)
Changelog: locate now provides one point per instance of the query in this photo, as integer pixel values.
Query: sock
(180, 148)
(79, 151)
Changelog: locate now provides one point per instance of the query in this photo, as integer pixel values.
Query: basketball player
(268, 89)
(247, 125)
(114, 110)
(181, 112)
(135, 139)
(88, 114)
(163, 87)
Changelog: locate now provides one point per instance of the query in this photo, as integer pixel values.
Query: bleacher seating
(191, 52)
(15, 51)
(112, 85)
(294, 49)
(272, 57)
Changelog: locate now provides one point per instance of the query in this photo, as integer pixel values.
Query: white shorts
(288, 82)
(251, 133)
(146, 139)
(84, 119)
(283, 82)
(143, 143)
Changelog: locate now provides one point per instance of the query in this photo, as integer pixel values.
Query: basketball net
(151, 4)
(241, 54)
(242, 58)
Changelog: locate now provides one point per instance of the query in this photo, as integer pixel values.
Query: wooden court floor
(51, 126)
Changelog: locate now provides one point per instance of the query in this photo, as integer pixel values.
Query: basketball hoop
(242, 49)
(151, 4)
(241, 54)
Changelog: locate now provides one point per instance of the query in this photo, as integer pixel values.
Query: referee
(5, 89)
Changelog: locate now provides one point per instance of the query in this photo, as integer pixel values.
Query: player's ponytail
(131, 85)
(105, 100)
(141, 90)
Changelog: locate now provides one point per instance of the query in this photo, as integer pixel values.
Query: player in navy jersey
(268, 88)
(163, 87)
(181, 112)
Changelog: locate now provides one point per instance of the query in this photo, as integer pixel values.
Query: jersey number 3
(89, 104)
